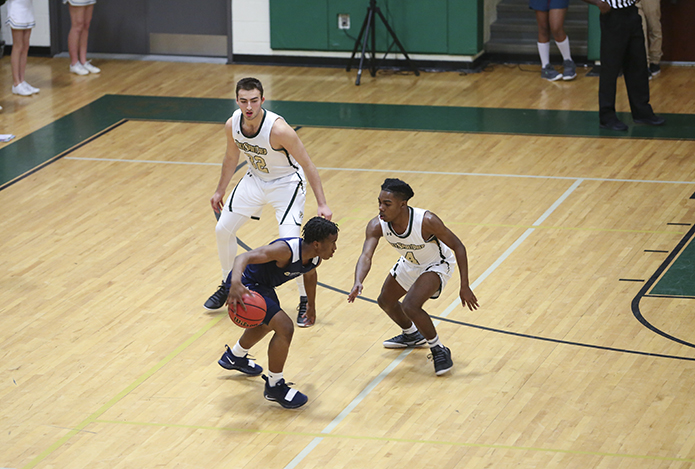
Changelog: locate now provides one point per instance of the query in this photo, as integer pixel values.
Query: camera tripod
(368, 29)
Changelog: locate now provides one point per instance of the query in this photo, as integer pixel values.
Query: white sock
(300, 286)
(564, 47)
(544, 53)
(239, 351)
(435, 342)
(273, 378)
(411, 330)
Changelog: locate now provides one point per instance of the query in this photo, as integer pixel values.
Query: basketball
(254, 314)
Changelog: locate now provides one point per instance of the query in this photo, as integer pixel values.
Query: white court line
(140, 161)
(391, 171)
(375, 382)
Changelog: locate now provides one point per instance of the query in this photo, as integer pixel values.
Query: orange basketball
(254, 314)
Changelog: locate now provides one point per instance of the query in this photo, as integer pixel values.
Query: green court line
(27, 153)
(113, 401)
(397, 440)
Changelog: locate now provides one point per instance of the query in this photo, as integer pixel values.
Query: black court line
(62, 155)
(647, 286)
(679, 224)
(529, 336)
(630, 280)
(654, 250)
(515, 334)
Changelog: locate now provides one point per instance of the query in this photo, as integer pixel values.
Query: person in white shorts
(426, 264)
(20, 18)
(80, 18)
(278, 168)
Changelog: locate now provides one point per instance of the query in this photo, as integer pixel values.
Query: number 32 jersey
(264, 161)
(411, 245)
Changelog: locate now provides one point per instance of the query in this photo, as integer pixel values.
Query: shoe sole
(441, 372)
(212, 309)
(569, 78)
(638, 122)
(301, 324)
(416, 345)
(601, 126)
(227, 366)
(286, 406)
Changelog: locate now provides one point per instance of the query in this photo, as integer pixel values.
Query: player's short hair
(249, 84)
(318, 229)
(398, 187)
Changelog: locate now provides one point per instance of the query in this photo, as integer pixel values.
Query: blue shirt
(270, 275)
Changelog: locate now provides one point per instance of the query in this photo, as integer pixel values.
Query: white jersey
(411, 245)
(264, 162)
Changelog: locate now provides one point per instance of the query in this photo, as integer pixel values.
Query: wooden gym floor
(581, 355)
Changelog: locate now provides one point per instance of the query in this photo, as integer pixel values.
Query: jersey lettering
(247, 147)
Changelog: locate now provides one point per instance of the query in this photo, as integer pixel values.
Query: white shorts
(287, 196)
(20, 14)
(406, 273)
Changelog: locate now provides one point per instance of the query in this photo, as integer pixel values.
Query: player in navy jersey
(262, 269)
(429, 254)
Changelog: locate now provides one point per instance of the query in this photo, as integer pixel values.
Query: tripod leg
(370, 21)
(358, 41)
(372, 63)
(398, 43)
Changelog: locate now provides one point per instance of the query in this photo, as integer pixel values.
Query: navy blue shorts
(547, 5)
(272, 303)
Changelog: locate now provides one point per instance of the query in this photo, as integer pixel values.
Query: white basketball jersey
(264, 162)
(411, 245)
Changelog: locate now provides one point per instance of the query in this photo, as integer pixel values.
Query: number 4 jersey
(413, 247)
(264, 161)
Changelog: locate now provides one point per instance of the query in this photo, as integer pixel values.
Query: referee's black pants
(622, 48)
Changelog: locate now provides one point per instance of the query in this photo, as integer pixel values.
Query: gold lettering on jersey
(247, 147)
(258, 162)
(411, 247)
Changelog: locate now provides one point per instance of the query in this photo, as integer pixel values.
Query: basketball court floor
(580, 252)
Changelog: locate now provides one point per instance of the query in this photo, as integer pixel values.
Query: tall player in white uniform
(278, 168)
(422, 271)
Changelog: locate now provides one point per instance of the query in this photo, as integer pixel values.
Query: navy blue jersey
(270, 275)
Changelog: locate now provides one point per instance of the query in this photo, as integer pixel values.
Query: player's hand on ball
(236, 293)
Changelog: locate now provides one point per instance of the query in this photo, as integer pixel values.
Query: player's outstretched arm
(229, 164)
(433, 225)
(364, 263)
(284, 136)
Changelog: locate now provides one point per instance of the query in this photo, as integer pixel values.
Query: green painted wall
(301, 25)
(452, 27)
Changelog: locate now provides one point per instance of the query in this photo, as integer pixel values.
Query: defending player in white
(429, 253)
(279, 168)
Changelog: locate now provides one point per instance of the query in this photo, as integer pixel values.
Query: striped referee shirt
(620, 3)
